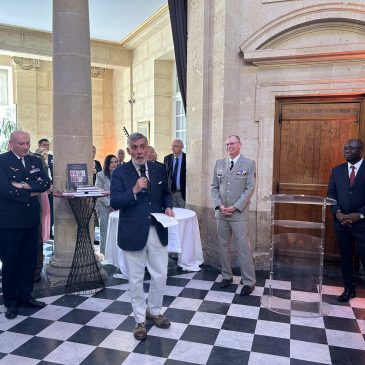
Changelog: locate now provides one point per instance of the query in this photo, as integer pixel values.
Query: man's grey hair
(233, 135)
(179, 141)
(135, 137)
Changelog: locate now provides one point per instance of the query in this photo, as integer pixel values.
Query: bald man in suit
(22, 178)
(347, 187)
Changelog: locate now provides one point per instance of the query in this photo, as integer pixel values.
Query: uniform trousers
(155, 257)
(345, 240)
(18, 253)
(238, 231)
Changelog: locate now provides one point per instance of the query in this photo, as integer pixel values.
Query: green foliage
(6, 127)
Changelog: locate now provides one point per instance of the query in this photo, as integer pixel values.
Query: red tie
(352, 175)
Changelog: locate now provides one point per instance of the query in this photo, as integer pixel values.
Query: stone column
(204, 116)
(72, 120)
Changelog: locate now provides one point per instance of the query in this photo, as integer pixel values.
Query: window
(7, 108)
(179, 114)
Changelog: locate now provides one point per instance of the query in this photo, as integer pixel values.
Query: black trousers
(18, 253)
(346, 240)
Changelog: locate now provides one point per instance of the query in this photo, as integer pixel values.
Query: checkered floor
(209, 326)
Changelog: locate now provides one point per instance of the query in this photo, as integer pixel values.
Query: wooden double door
(309, 139)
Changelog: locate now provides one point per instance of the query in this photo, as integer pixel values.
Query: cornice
(147, 26)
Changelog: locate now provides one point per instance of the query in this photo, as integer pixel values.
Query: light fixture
(131, 99)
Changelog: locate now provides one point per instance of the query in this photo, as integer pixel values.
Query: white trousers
(155, 257)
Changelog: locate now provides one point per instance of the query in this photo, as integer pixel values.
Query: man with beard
(139, 188)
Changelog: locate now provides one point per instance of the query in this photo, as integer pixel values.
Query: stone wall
(240, 59)
(152, 67)
(143, 65)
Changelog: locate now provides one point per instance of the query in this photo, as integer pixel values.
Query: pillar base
(57, 274)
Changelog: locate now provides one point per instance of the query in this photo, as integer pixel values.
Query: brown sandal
(159, 321)
(140, 332)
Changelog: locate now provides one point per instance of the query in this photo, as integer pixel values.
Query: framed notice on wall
(76, 175)
(144, 128)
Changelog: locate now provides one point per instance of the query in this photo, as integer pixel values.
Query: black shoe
(225, 283)
(11, 312)
(33, 303)
(247, 290)
(347, 295)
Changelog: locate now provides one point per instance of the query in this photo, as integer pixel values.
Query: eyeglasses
(231, 144)
(350, 148)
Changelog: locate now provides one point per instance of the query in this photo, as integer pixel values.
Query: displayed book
(97, 192)
(87, 188)
(76, 175)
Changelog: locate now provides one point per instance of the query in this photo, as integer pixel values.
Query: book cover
(76, 175)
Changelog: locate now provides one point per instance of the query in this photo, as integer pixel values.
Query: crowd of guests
(143, 186)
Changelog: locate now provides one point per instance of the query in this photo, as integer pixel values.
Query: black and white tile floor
(209, 326)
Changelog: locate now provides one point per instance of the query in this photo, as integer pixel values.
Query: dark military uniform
(19, 220)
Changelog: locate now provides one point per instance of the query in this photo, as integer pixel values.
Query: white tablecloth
(183, 239)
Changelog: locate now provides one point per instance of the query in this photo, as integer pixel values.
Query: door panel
(311, 137)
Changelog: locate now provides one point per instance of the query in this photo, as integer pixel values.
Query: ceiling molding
(348, 53)
(154, 23)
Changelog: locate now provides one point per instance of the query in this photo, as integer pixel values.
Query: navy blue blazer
(17, 208)
(169, 163)
(349, 199)
(134, 212)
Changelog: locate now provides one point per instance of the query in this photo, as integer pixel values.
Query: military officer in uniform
(22, 178)
(232, 187)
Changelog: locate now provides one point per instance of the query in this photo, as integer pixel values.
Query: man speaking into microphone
(139, 188)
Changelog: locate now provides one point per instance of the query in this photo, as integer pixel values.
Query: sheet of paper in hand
(165, 220)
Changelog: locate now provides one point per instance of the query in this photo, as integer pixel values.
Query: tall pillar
(72, 120)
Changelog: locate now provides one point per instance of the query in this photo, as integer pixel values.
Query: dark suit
(50, 164)
(134, 213)
(349, 200)
(50, 195)
(169, 163)
(19, 220)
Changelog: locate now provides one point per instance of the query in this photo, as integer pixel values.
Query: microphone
(142, 170)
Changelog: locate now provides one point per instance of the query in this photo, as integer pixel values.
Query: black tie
(22, 161)
(142, 170)
(174, 174)
(232, 163)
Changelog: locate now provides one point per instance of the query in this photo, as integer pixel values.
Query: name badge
(34, 170)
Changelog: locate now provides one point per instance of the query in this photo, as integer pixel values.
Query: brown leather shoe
(159, 321)
(140, 331)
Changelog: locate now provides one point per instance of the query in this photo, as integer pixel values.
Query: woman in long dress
(102, 207)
